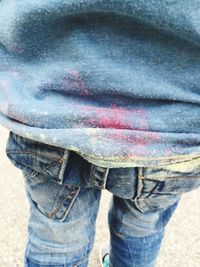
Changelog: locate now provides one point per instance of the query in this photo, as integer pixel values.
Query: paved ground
(181, 246)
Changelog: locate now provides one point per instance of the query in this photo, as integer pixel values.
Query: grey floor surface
(180, 247)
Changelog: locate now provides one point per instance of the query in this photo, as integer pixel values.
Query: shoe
(104, 256)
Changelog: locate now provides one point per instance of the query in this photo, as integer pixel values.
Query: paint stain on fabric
(74, 81)
(121, 118)
(118, 117)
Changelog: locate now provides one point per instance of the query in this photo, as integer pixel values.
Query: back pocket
(43, 170)
(30, 156)
(161, 186)
(50, 198)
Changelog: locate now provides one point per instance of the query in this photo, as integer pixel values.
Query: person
(101, 95)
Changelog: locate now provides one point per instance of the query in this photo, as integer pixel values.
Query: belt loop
(99, 176)
(63, 166)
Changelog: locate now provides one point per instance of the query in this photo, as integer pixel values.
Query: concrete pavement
(180, 248)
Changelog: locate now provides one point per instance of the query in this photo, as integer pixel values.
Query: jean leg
(62, 243)
(135, 236)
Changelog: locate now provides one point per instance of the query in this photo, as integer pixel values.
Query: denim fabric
(116, 81)
(64, 192)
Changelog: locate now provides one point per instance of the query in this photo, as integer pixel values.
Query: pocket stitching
(139, 189)
(69, 195)
(73, 198)
(58, 159)
(31, 175)
(54, 163)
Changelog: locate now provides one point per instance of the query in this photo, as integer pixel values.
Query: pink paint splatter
(74, 73)
(75, 81)
(127, 119)
(130, 113)
(116, 117)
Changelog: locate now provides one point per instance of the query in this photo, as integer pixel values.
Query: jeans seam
(76, 265)
(139, 180)
(74, 194)
(116, 233)
(31, 175)
(140, 172)
(104, 177)
(80, 262)
(64, 161)
(52, 164)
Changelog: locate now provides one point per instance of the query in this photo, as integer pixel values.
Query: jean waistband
(80, 172)
(62, 165)
(68, 168)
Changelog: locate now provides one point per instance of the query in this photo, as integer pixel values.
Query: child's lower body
(64, 193)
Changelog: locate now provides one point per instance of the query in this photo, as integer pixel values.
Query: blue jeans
(64, 192)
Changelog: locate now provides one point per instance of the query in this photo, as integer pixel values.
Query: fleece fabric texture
(116, 81)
